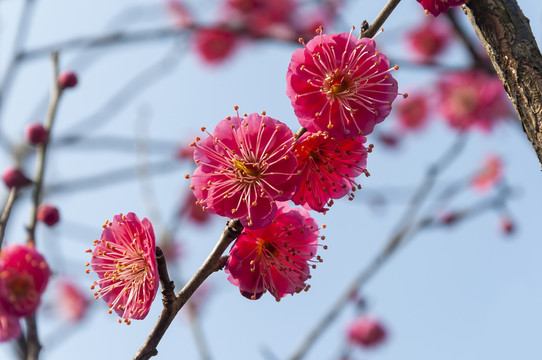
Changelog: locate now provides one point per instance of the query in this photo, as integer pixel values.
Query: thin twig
(41, 152)
(33, 343)
(108, 178)
(380, 19)
(389, 248)
(118, 101)
(148, 349)
(7, 211)
(467, 41)
(11, 70)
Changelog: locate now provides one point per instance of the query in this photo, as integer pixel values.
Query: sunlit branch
(212, 263)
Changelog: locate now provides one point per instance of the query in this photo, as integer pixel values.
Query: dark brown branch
(508, 39)
(211, 264)
(168, 287)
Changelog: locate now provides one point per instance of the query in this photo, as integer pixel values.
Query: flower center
(248, 169)
(335, 84)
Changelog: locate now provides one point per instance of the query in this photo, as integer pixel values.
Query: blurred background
(467, 289)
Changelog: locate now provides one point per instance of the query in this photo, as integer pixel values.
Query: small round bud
(14, 177)
(366, 331)
(67, 79)
(48, 214)
(36, 133)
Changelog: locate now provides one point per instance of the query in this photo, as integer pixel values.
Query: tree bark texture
(507, 37)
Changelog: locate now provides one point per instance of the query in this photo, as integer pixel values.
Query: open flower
(275, 258)
(472, 99)
(125, 261)
(413, 112)
(429, 39)
(72, 303)
(436, 7)
(329, 166)
(214, 44)
(244, 167)
(24, 275)
(489, 175)
(340, 84)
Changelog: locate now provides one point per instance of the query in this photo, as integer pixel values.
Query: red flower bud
(36, 133)
(14, 177)
(48, 214)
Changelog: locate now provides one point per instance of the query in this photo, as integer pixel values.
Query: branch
(508, 39)
(7, 211)
(380, 19)
(405, 228)
(41, 151)
(212, 263)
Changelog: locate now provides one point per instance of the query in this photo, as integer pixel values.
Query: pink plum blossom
(489, 175)
(125, 261)
(192, 211)
(275, 258)
(214, 44)
(366, 331)
(244, 167)
(436, 7)
(413, 112)
(259, 16)
(24, 275)
(180, 13)
(472, 99)
(340, 84)
(71, 302)
(329, 166)
(430, 39)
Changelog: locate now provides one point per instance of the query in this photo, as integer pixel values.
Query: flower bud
(14, 177)
(67, 79)
(36, 133)
(48, 214)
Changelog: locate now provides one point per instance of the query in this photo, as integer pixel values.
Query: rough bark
(507, 37)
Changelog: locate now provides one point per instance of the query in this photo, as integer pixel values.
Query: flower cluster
(248, 167)
(24, 275)
(124, 258)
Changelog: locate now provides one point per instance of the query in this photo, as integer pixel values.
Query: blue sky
(467, 292)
